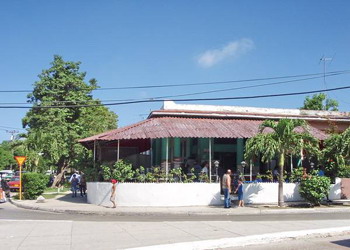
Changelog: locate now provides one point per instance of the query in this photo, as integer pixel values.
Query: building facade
(181, 135)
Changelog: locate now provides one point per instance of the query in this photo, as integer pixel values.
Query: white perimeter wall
(155, 194)
(267, 193)
(191, 194)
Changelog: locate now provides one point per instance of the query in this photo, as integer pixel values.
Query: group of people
(198, 169)
(228, 186)
(78, 182)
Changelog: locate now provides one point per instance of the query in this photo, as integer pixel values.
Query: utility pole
(12, 132)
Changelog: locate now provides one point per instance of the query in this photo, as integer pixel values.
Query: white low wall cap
(171, 105)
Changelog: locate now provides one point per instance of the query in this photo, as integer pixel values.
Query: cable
(201, 83)
(183, 100)
(10, 127)
(188, 94)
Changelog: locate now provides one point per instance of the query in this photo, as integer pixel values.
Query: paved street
(316, 243)
(27, 229)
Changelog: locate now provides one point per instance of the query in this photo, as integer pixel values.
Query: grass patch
(49, 196)
(55, 190)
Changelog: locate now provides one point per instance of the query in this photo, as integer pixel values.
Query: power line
(221, 82)
(199, 83)
(186, 94)
(183, 100)
(7, 127)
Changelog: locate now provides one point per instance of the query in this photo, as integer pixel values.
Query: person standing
(82, 185)
(205, 169)
(239, 192)
(113, 192)
(74, 185)
(226, 187)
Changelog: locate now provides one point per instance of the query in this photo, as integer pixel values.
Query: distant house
(180, 133)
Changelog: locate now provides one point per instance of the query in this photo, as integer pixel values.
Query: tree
(320, 102)
(53, 132)
(284, 140)
(336, 154)
(6, 155)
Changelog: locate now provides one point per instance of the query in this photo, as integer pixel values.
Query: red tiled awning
(170, 127)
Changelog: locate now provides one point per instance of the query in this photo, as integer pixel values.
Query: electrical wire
(182, 100)
(186, 94)
(199, 83)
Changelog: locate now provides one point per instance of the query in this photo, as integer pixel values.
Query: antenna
(325, 59)
(12, 132)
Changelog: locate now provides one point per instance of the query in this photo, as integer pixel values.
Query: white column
(94, 153)
(209, 160)
(118, 147)
(251, 170)
(167, 159)
(291, 163)
(151, 153)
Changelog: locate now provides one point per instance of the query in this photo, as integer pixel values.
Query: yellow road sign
(20, 160)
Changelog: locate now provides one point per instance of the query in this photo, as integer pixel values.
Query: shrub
(34, 185)
(296, 175)
(121, 171)
(314, 188)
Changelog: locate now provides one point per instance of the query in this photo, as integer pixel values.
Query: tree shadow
(68, 198)
(343, 243)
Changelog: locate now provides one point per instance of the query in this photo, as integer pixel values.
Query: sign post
(20, 160)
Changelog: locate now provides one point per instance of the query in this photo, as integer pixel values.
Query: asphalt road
(34, 230)
(9, 211)
(316, 243)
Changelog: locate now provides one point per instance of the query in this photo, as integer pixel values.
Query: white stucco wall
(191, 194)
(155, 194)
(267, 193)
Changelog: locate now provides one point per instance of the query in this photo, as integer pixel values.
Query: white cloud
(232, 50)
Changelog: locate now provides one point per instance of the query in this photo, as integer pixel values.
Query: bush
(315, 188)
(121, 171)
(34, 185)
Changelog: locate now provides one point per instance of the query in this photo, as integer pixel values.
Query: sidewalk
(79, 205)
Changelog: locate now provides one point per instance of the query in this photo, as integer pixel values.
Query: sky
(140, 43)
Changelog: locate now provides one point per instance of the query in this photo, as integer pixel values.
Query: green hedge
(34, 185)
(315, 188)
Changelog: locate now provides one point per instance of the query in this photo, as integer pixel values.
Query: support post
(94, 154)
(167, 159)
(291, 163)
(118, 147)
(151, 152)
(251, 170)
(210, 160)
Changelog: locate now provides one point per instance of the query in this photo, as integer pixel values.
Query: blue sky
(134, 43)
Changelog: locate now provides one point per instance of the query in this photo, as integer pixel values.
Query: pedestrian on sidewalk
(239, 192)
(82, 185)
(226, 187)
(74, 185)
(113, 192)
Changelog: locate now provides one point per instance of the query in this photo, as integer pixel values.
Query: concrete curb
(250, 240)
(166, 211)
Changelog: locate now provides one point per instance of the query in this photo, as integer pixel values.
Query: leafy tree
(54, 132)
(320, 102)
(281, 142)
(336, 154)
(6, 155)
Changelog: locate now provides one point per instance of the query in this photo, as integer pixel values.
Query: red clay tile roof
(168, 127)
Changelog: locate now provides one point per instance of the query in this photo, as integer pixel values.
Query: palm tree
(280, 139)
